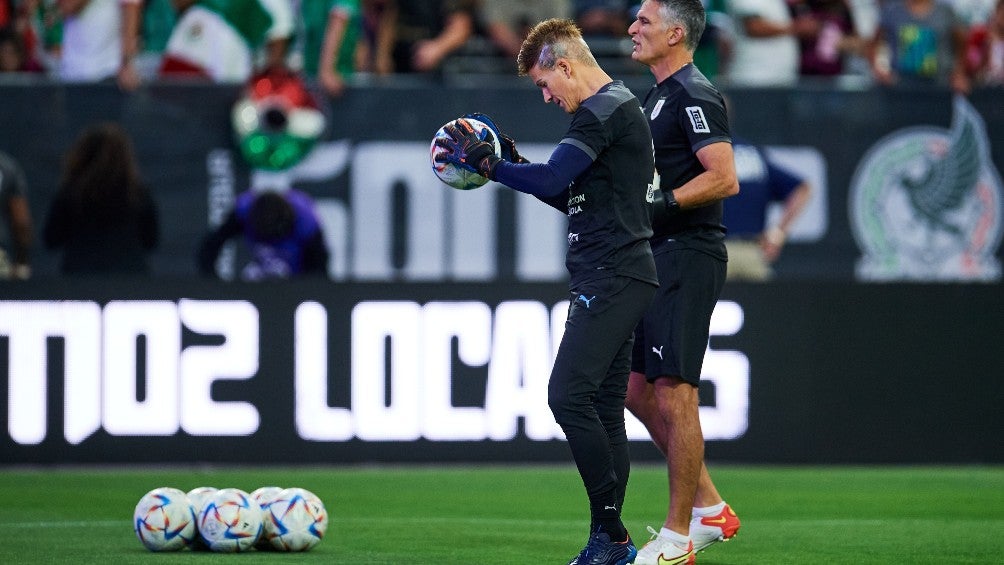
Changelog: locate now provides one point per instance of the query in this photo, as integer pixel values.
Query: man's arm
(132, 16)
(774, 237)
(717, 182)
(386, 36)
(334, 33)
(20, 231)
(458, 29)
(545, 180)
(958, 78)
(279, 36)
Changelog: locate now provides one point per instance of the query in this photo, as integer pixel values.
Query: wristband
(664, 207)
(670, 204)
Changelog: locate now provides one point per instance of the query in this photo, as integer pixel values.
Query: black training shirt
(608, 209)
(686, 112)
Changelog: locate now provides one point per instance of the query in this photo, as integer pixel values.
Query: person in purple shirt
(282, 233)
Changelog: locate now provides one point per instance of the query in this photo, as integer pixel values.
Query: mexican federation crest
(925, 204)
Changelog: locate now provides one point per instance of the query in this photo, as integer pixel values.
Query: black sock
(607, 517)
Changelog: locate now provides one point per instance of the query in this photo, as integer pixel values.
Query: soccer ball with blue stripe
(230, 521)
(164, 520)
(199, 496)
(295, 520)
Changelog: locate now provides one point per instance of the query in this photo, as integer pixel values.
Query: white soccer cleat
(707, 530)
(662, 551)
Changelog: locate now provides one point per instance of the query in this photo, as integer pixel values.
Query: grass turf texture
(526, 514)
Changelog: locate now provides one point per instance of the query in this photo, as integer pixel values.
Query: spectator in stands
(41, 30)
(373, 53)
(919, 42)
(766, 46)
(417, 35)
(972, 12)
(715, 47)
(14, 210)
(331, 30)
(828, 38)
(507, 23)
(100, 41)
(281, 231)
(752, 245)
(13, 57)
(159, 19)
(104, 217)
(220, 39)
(601, 18)
(985, 50)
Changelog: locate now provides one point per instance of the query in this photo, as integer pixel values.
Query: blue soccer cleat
(601, 551)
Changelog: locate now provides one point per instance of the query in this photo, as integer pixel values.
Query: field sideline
(524, 515)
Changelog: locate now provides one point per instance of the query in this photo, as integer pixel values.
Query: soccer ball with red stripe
(231, 521)
(164, 520)
(295, 520)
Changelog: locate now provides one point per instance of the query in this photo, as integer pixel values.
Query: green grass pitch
(522, 515)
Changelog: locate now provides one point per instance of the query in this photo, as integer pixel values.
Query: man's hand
(509, 152)
(466, 149)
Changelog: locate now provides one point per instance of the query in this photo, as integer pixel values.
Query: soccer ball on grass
(264, 497)
(198, 496)
(164, 520)
(231, 521)
(295, 520)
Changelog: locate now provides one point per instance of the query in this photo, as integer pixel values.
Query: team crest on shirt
(697, 119)
(657, 108)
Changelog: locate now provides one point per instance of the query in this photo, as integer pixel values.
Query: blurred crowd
(756, 43)
(332, 44)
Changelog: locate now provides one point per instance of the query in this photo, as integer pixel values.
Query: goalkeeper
(600, 175)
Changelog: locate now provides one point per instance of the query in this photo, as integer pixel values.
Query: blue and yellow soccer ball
(277, 120)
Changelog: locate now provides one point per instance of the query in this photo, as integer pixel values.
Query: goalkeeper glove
(509, 152)
(468, 150)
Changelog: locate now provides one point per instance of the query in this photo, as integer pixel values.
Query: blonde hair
(551, 40)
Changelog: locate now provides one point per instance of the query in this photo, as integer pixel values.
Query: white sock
(678, 539)
(708, 510)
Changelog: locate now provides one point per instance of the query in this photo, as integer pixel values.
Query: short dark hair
(689, 13)
(271, 217)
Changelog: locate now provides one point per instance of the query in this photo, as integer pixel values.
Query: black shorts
(673, 336)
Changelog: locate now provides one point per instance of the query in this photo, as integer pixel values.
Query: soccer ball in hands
(295, 520)
(230, 521)
(455, 176)
(164, 520)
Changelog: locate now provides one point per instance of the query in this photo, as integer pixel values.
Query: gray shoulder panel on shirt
(606, 102)
(576, 143)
